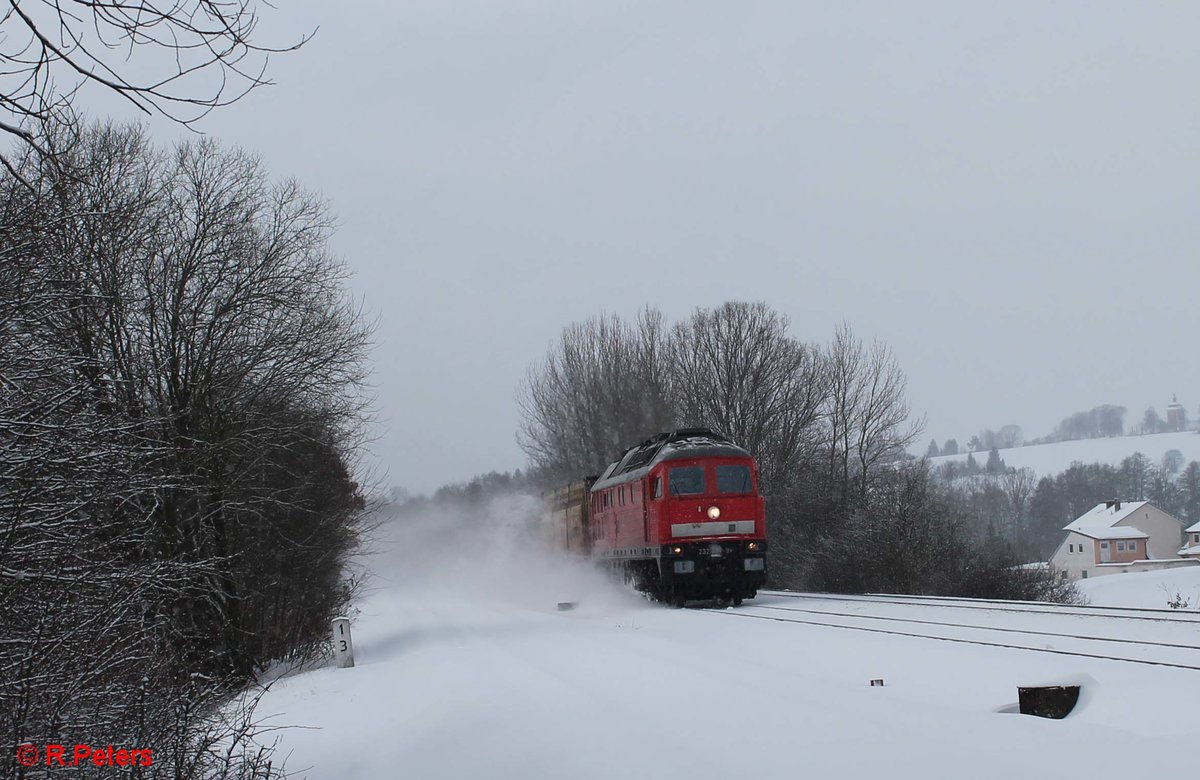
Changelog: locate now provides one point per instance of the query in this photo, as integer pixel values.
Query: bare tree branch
(180, 60)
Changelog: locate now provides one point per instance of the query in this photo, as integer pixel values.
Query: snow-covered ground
(466, 669)
(1151, 589)
(1050, 459)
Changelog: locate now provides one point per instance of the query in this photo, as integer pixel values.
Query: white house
(1191, 542)
(1120, 536)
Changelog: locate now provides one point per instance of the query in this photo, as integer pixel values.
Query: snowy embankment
(467, 670)
(1148, 589)
(1050, 459)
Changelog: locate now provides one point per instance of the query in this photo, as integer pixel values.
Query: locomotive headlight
(677, 550)
(714, 512)
(752, 546)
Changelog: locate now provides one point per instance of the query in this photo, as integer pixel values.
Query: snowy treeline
(828, 423)
(1030, 511)
(1104, 421)
(179, 374)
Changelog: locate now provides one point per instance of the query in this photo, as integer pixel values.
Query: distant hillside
(1051, 459)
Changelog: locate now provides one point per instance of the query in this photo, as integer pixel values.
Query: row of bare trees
(607, 384)
(178, 403)
(180, 407)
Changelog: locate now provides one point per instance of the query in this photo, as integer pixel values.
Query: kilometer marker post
(343, 645)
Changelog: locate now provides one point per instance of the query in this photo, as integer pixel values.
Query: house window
(1070, 548)
(1133, 546)
(1120, 546)
(1085, 574)
(1103, 545)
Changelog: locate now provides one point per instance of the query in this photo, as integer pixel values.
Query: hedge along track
(1033, 608)
(745, 612)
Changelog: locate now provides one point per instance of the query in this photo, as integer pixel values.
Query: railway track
(1023, 607)
(1094, 644)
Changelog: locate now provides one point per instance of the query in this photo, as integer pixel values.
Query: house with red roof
(1120, 536)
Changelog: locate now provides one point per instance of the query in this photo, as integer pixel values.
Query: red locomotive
(679, 515)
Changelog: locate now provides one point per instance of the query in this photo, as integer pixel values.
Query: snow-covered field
(1050, 459)
(466, 669)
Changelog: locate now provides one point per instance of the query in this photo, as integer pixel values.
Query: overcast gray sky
(1006, 195)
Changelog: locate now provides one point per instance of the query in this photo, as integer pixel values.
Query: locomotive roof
(673, 445)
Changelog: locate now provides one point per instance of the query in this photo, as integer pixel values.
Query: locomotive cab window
(733, 479)
(658, 487)
(686, 481)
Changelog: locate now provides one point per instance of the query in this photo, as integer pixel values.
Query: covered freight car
(565, 517)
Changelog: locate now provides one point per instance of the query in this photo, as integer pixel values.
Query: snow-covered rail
(1002, 630)
(998, 605)
(1070, 632)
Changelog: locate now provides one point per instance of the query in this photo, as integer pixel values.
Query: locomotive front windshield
(687, 481)
(734, 479)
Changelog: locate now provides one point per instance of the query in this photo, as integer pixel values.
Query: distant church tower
(1176, 417)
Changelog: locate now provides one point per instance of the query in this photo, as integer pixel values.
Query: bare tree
(1018, 486)
(1172, 462)
(738, 370)
(845, 365)
(1009, 436)
(602, 387)
(866, 410)
(179, 60)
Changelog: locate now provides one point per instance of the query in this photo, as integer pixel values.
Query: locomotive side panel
(620, 520)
